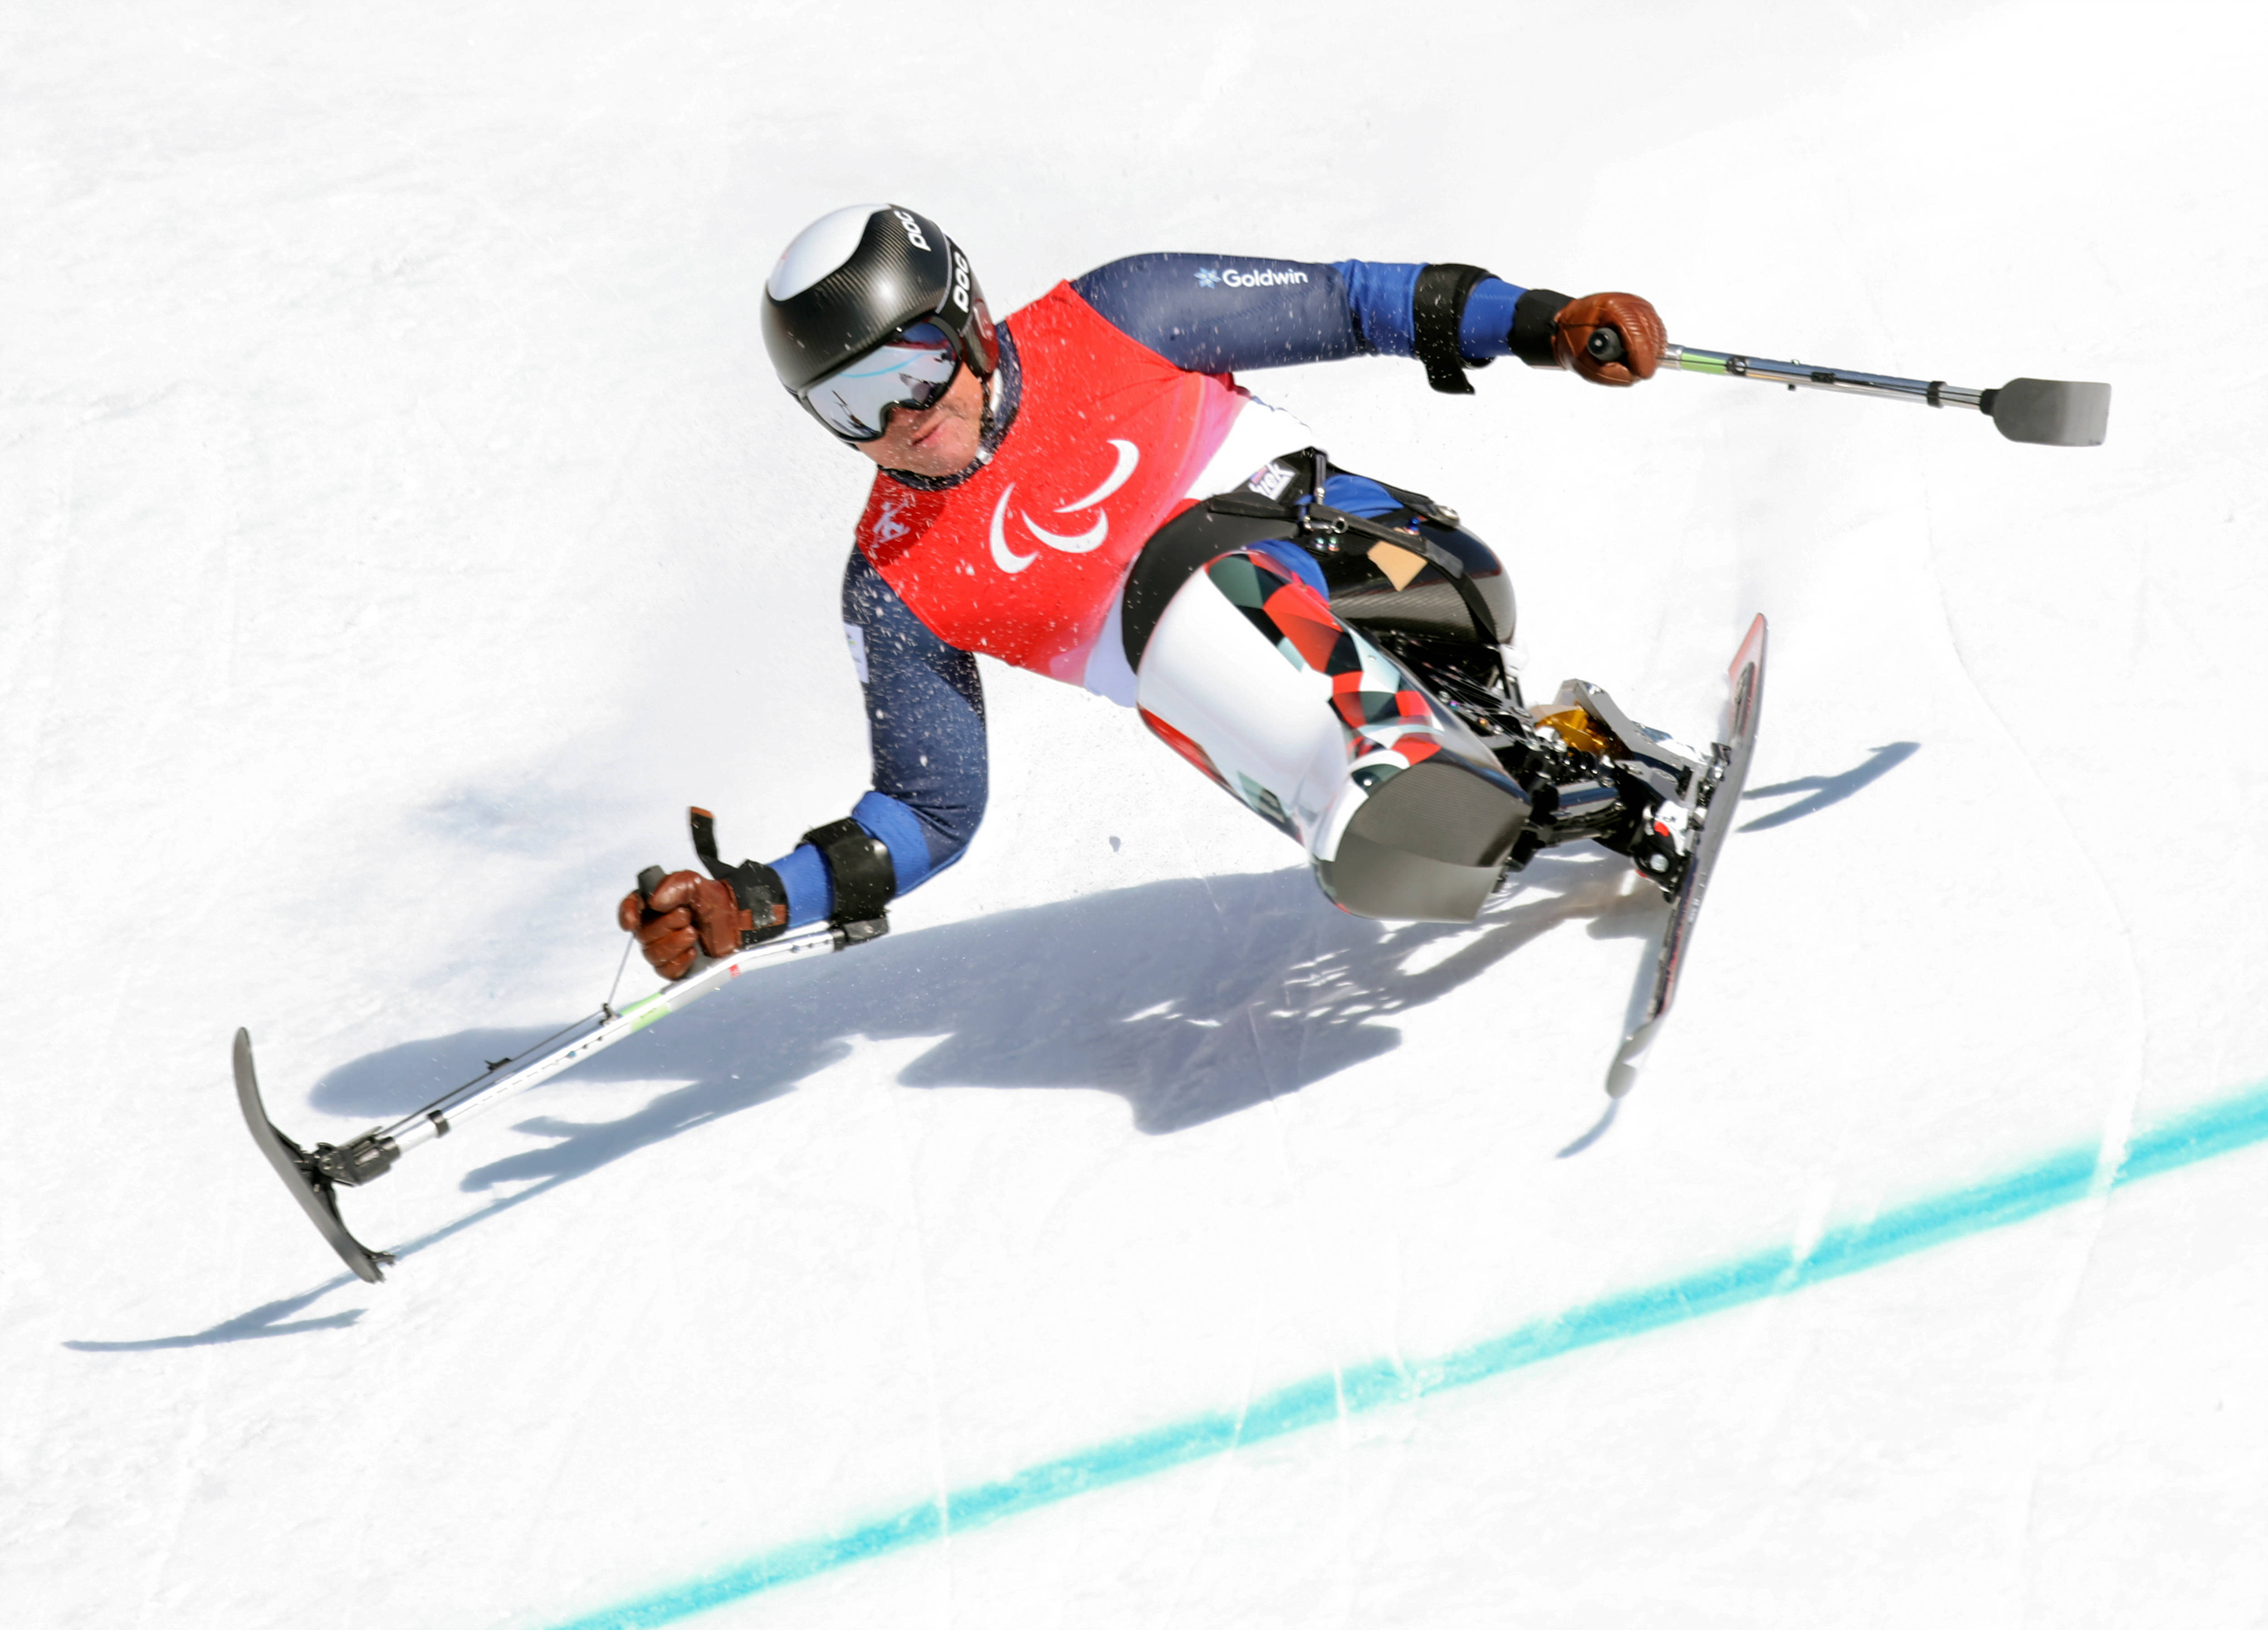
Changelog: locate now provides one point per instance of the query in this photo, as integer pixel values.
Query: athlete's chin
(947, 453)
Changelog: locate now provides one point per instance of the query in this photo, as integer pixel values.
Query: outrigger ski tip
(1716, 805)
(300, 1173)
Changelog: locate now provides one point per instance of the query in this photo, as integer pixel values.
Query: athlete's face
(938, 441)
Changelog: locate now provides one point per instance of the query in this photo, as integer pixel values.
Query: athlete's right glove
(1548, 330)
(686, 912)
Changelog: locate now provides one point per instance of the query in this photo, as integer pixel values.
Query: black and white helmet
(854, 278)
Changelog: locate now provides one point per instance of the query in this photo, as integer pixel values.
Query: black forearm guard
(858, 864)
(1437, 312)
(1532, 319)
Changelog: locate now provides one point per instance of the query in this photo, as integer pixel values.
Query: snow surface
(398, 526)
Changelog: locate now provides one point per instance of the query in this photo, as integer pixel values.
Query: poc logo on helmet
(960, 279)
(913, 229)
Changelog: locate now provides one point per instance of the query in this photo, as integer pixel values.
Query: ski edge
(308, 1186)
(1743, 708)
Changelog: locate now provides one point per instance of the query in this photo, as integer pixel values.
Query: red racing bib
(1023, 560)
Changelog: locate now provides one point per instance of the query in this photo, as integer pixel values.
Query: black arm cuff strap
(1532, 317)
(755, 884)
(1437, 311)
(859, 865)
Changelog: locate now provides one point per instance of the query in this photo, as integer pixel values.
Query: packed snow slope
(399, 527)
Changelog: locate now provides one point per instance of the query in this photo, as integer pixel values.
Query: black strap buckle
(755, 884)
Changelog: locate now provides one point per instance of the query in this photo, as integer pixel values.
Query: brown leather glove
(686, 912)
(1643, 337)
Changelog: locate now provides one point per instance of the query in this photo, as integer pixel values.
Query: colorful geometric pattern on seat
(1370, 693)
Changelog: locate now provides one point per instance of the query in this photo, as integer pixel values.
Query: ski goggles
(913, 367)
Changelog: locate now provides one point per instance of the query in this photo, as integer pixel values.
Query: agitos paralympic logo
(1229, 278)
(1079, 543)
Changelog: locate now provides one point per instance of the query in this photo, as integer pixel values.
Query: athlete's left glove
(686, 912)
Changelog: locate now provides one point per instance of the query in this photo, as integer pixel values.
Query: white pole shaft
(1931, 392)
(597, 1034)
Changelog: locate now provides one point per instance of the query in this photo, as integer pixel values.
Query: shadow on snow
(1826, 789)
(1190, 999)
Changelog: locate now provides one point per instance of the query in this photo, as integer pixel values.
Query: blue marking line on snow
(2060, 1180)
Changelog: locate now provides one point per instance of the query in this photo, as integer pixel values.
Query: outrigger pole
(2049, 413)
(315, 1175)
